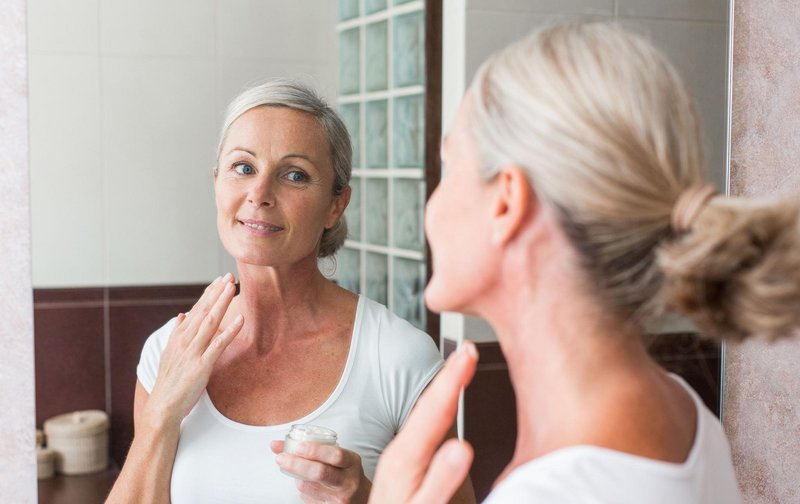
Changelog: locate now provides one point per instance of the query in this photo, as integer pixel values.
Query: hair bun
(737, 272)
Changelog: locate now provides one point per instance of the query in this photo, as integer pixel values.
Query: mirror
(695, 36)
(126, 99)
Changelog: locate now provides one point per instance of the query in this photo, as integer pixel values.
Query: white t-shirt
(594, 475)
(218, 460)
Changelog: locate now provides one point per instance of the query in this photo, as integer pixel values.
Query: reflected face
(457, 223)
(274, 187)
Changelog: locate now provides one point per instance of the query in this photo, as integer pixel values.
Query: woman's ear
(339, 203)
(514, 202)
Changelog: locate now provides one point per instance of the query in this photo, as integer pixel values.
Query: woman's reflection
(221, 385)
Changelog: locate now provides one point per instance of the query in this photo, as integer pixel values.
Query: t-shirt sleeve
(409, 360)
(147, 370)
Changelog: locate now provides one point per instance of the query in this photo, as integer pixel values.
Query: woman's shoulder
(393, 334)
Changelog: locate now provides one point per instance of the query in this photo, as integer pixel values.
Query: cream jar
(80, 440)
(301, 433)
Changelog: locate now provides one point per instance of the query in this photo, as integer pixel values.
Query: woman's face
(457, 223)
(274, 187)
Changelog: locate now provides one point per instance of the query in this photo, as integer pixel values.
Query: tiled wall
(126, 102)
(762, 405)
(88, 342)
(17, 442)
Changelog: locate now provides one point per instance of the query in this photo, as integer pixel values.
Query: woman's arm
(147, 472)
(183, 372)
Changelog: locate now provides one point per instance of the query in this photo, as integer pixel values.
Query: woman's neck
(567, 360)
(279, 304)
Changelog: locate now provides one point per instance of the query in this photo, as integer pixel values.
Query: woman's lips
(259, 227)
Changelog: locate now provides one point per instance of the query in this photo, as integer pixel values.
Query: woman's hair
(609, 138)
(298, 96)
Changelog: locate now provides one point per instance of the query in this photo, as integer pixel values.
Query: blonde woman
(219, 387)
(574, 178)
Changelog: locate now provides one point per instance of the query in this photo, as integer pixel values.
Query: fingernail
(227, 277)
(216, 280)
(228, 287)
(238, 319)
(469, 349)
(455, 455)
(280, 458)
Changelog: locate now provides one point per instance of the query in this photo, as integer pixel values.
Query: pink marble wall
(762, 393)
(17, 419)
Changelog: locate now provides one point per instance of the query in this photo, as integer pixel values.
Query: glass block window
(382, 102)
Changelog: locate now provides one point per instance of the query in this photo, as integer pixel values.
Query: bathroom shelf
(85, 489)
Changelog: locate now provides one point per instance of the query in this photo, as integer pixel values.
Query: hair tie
(689, 205)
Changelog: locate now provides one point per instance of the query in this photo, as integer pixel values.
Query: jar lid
(77, 423)
(45, 454)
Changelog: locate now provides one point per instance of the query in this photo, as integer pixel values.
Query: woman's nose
(260, 192)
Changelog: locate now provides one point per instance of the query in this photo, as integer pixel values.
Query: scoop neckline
(670, 468)
(337, 391)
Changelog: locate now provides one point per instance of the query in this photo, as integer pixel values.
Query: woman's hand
(416, 467)
(194, 346)
(327, 473)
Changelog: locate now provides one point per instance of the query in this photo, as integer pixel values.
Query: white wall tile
(69, 26)
(298, 31)
(707, 10)
(157, 27)
(699, 52)
(488, 31)
(600, 7)
(66, 170)
(159, 136)
(234, 75)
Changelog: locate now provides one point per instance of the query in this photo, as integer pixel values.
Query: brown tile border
(98, 333)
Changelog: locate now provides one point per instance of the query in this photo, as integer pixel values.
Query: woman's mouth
(260, 227)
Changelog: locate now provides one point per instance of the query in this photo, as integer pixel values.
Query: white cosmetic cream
(300, 433)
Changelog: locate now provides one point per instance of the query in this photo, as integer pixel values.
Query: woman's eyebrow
(242, 149)
(298, 155)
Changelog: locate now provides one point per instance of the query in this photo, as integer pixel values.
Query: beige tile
(63, 26)
(66, 170)
(299, 31)
(706, 10)
(158, 146)
(157, 28)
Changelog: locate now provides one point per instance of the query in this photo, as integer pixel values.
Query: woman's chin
(437, 298)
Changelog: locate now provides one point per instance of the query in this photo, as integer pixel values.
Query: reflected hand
(193, 347)
(327, 473)
(416, 467)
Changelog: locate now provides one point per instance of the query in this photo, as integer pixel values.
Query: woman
(574, 177)
(221, 385)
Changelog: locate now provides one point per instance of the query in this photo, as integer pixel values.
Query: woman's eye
(296, 176)
(244, 169)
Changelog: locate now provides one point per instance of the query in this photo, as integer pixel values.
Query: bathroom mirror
(126, 99)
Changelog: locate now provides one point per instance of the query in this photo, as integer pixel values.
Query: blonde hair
(296, 95)
(610, 138)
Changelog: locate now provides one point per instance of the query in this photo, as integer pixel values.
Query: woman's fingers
(197, 314)
(276, 446)
(213, 318)
(309, 470)
(405, 463)
(435, 411)
(335, 456)
(446, 473)
(222, 340)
